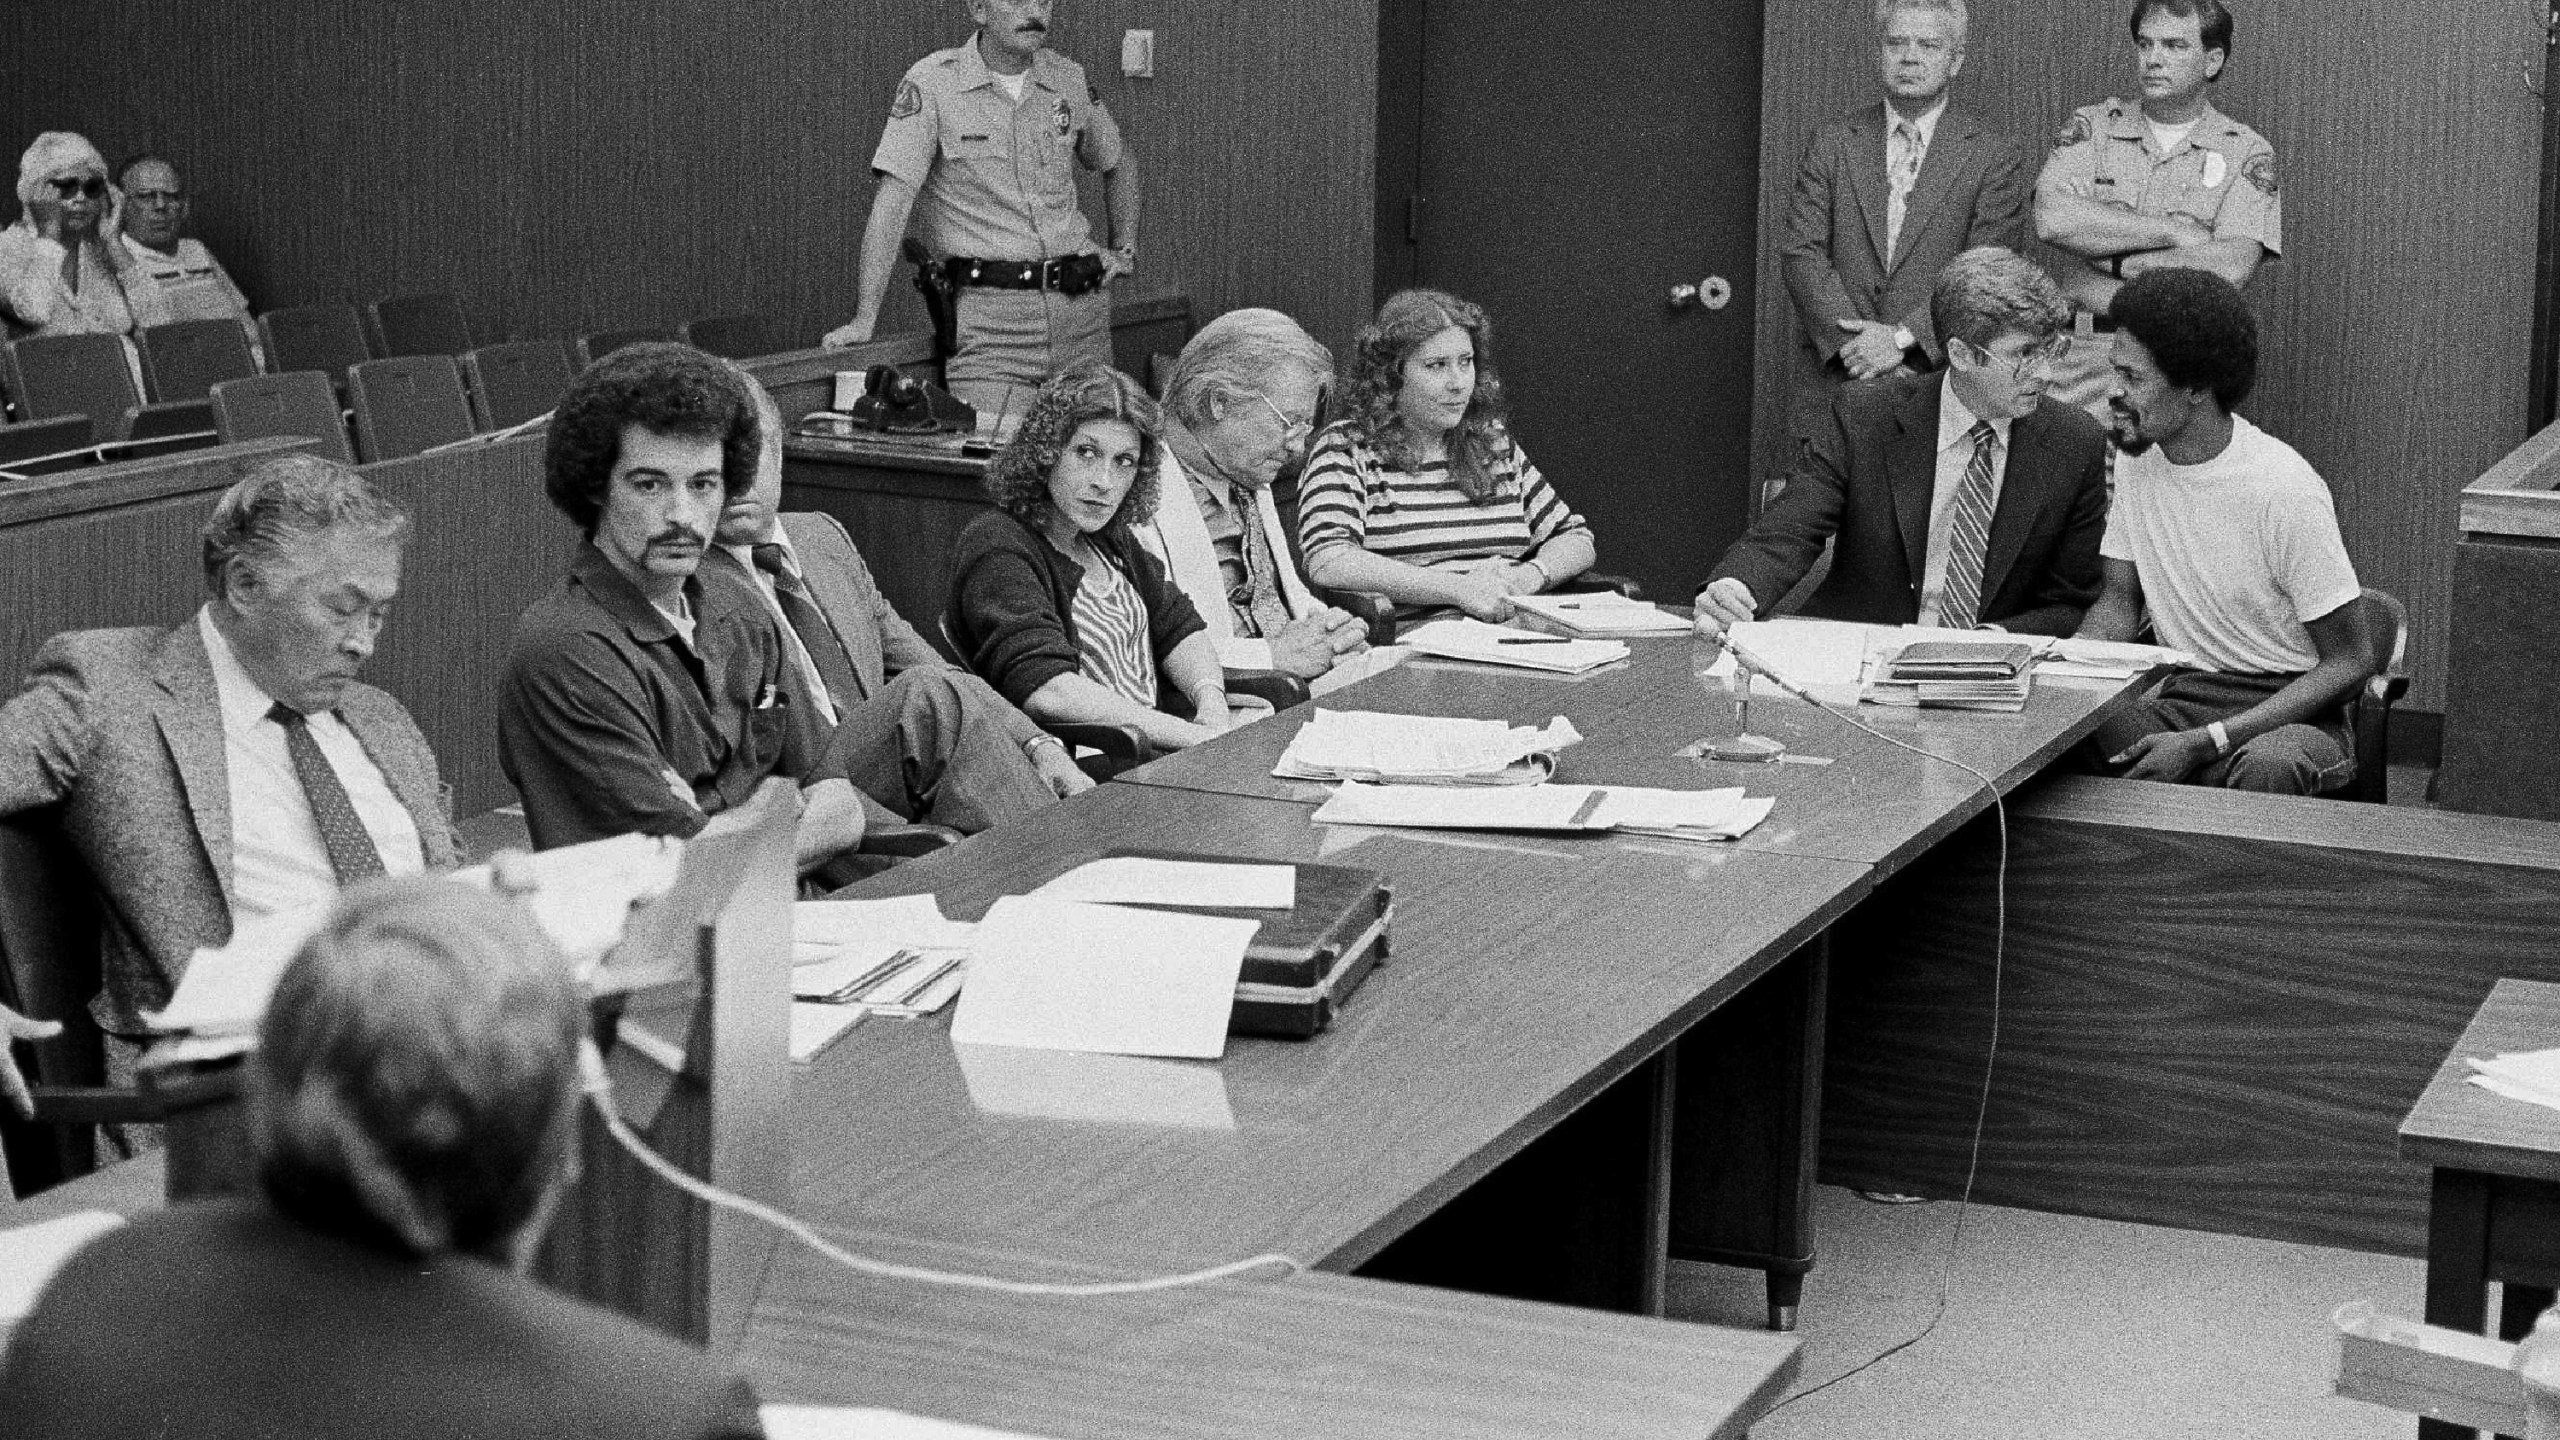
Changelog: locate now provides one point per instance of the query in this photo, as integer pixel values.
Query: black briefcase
(1302, 966)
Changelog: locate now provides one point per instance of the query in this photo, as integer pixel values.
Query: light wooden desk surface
(2457, 1125)
(1875, 804)
(1524, 980)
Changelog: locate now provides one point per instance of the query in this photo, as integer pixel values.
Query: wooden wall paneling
(117, 545)
(570, 168)
(2395, 328)
(486, 544)
(2216, 1008)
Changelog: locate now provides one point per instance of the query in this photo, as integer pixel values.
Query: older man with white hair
(1239, 405)
(60, 271)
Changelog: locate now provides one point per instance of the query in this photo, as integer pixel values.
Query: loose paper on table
(1720, 814)
(835, 1422)
(1138, 880)
(1095, 1089)
(1369, 745)
(1602, 612)
(1061, 975)
(1472, 639)
(2532, 1076)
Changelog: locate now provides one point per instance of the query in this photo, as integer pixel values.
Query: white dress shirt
(278, 861)
(1955, 454)
(800, 656)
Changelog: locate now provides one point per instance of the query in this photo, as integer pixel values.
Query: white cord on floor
(599, 1088)
(1999, 957)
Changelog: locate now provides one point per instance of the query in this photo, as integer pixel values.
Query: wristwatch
(1903, 339)
(1043, 738)
(1546, 577)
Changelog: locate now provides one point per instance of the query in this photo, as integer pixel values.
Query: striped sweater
(1349, 497)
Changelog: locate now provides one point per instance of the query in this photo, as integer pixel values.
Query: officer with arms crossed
(981, 148)
(2171, 182)
(2229, 537)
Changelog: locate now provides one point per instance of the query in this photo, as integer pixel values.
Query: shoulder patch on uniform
(2076, 132)
(2261, 171)
(1064, 118)
(910, 100)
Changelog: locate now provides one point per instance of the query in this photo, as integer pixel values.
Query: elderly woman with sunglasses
(1055, 602)
(59, 272)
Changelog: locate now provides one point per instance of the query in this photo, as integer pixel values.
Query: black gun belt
(1066, 274)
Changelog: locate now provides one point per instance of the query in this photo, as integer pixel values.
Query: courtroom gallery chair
(515, 382)
(597, 344)
(184, 360)
(416, 325)
(326, 338)
(2387, 621)
(165, 426)
(38, 447)
(55, 375)
(407, 405)
(298, 403)
(737, 337)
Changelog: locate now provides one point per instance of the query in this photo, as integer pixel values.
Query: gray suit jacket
(122, 729)
(1975, 188)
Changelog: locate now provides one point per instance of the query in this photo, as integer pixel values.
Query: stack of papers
(852, 958)
(2532, 1076)
(1826, 658)
(1471, 639)
(1678, 814)
(1956, 675)
(1422, 749)
(2109, 659)
(1604, 612)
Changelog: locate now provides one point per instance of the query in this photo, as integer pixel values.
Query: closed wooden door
(1589, 174)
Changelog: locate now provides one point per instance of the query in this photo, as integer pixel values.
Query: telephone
(903, 405)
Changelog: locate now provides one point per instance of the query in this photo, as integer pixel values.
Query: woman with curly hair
(1052, 598)
(1419, 493)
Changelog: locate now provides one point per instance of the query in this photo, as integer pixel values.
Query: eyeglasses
(66, 186)
(156, 197)
(2035, 357)
(1291, 431)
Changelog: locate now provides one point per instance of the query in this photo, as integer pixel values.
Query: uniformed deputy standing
(984, 137)
(2171, 182)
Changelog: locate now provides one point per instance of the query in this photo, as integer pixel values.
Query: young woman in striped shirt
(1419, 492)
(1053, 602)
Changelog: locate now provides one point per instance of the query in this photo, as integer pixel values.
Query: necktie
(817, 636)
(1902, 174)
(351, 850)
(1262, 603)
(1969, 535)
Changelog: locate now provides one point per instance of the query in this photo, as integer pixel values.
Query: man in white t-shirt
(2229, 536)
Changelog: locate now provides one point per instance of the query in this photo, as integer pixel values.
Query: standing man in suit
(981, 149)
(1887, 196)
(233, 767)
(918, 735)
(2169, 182)
(1964, 500)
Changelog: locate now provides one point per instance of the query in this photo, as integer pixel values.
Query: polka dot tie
(351, 849)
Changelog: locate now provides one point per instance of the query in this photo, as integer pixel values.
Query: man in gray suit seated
(233, 766)
(915, 733)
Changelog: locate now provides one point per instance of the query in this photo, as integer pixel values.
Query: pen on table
(1532, 640)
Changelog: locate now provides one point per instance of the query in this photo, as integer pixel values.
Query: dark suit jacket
(1866, 479)
(1975, 188)
(123, 729)
(226, 1321)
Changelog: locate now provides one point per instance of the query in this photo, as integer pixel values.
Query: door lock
(1715, 292)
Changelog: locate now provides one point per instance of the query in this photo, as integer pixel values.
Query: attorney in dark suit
(1887, 196)
(412, 1111)
(919, 736)
(1965, 499)
(233, 766)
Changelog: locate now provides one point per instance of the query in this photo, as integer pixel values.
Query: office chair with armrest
(408, 404)
(185, 359)
(2387, 621)
(55, 375)
(597, 344)
(1099, 750)
(48, 971)
(514, 382)
(416, 325)
(300, 402)
(326, 338)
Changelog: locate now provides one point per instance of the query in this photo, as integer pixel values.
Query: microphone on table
(1746, 746)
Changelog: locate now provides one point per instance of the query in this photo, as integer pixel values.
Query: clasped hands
(1309, 645)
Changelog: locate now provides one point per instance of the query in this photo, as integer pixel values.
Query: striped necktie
(352, 853)
(817, 633)
(1969, 534)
